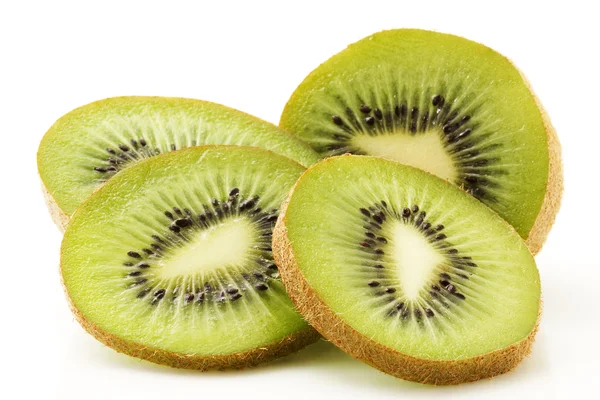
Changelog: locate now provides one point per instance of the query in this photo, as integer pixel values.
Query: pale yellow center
(422, 150)
(212, 249)
(415, 258)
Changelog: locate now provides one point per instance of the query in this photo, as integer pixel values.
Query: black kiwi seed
(160, 293)
(439, 227)
(390, 290)
(365, 244)
(124, 147)
(232, 290)
(100, 169)
(261, 286)
(133, 254)
(182, 222)
(188, 297)
(370, 121)
(143, 293)
(236, 296)
(138, 282)
(337, 120)
(459, 295)
(441, 236)
(378, 114)
(429, 312)
(111, 151)
(135, 273)
(378, 266)
(415, 208)
(143, 265)
(365, 212)
(128, 264)
(437, 100)
(399, 306)
(373, 283)
(379, 251)
(370, 235)
(365, 109)
(177, 211)
(143, 142)
(406, 213)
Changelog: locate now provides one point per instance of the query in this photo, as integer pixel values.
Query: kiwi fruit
(444, 104)
(170, 260)
(90, 144)
(405, 272)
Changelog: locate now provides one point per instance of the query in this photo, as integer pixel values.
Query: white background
(56, 56)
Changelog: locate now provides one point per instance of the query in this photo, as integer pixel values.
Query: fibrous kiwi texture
(90, 144)
(405, 272)
(442, 103)
(171, 260)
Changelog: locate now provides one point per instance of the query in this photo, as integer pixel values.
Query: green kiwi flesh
(171, 259)
(90, 144)
(441, 103)
(405, 272)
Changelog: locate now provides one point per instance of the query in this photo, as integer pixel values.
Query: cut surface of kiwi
(444, 104)
(171, 260)
(405, 272)
(90, 144)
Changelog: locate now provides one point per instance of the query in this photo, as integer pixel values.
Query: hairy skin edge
(58, 216)
(250, 358)
(554, 188)
(388, 360)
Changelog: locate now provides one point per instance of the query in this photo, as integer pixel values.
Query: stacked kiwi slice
(201, 237)
(444, 104)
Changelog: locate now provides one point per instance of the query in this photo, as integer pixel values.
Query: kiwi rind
(251, 358)
(550, 204)
(283, 142)
(555, 186)
(236, 360)
(329, 324)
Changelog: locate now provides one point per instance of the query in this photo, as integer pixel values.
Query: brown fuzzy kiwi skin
(58, 216)
(554, 188)
(250, 358)
(390, 361)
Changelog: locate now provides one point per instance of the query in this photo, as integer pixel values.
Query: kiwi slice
(171, 261)
(442, 103)
(90, 144)
(405, 272)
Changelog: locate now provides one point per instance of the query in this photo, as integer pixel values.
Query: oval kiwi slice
(170, 260)
(405, 272)
(445, 104)
(90, 144)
